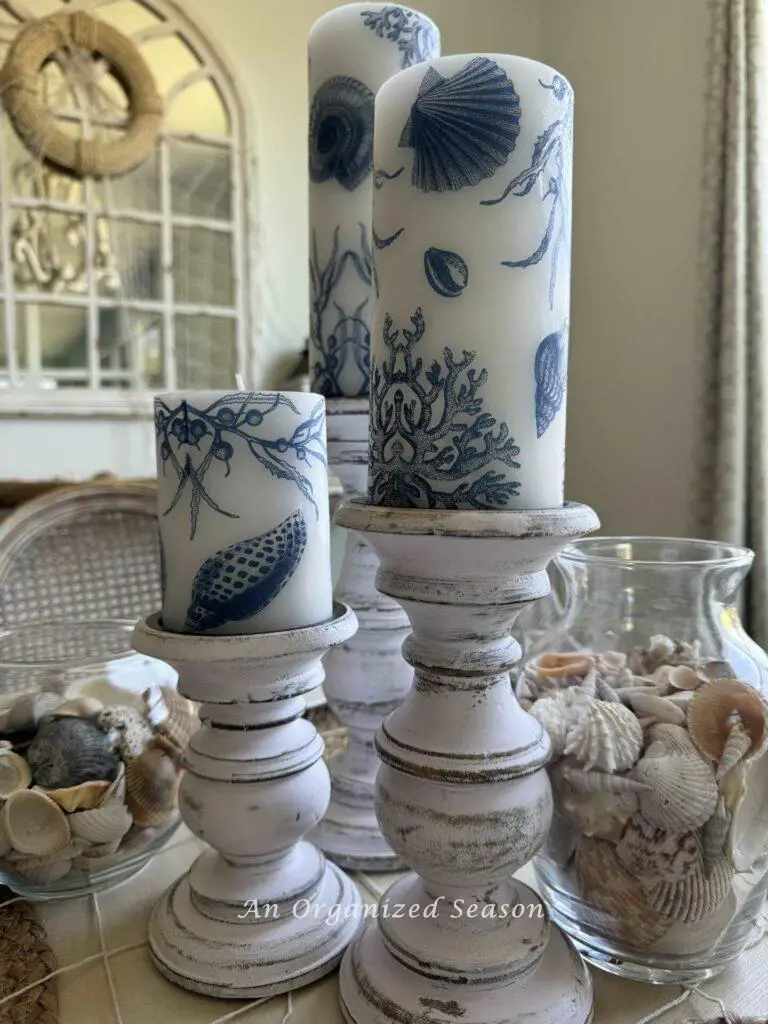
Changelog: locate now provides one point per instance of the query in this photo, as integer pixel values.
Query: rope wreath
(34, 46)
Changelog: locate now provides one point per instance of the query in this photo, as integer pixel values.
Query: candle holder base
(262, 912)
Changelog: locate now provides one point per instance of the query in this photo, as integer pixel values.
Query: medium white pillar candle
(353, 50)
(243, 510)
(472, 270)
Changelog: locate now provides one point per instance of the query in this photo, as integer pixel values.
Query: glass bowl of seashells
(89, 757)
(653, 697)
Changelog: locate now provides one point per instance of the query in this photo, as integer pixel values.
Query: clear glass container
(654, 698)
(112, 805)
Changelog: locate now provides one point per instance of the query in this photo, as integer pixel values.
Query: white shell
(659, 708)
(79, 707)
(681, 793)
(116, 792)
(736, 747)
(15, 773)
(672, 738)
(607, 737)
(694, 898)
(102, 824)
(714, 834)
(601, 782)
(35, 824)
(29, 709)
(683, 677)
(598, 815)
(551, 716)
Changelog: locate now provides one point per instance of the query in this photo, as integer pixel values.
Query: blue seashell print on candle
(446, 272)
(431, 444)
(341, 132)
(195, 442)
(549, 373)
(462, 129)
(242, 579)
(548, 167)
(341, 336)
(416, 38)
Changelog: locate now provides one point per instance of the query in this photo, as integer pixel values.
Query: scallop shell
(79, 707)
(607, 737)
(737, 746)
(152, 784)
(101, 825)
(601, 782)
(68, 751)
(79, 798)
(714, 835)
(15, 773)
(673, 738)
(116, 792)
(652, 855)
(695, 897)
(172, 715)
(446, 272)
(711, 714)
(552, 717)
(462, 129)
(607, 884)
(681, 793)
(658, 708)
(35, 825)
(28, 710)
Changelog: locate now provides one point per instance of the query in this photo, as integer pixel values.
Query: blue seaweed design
(193, 442)
(549, 374)
(383, 243)
(239, 581)
(380, 177)
(429, 436)
(342, 337)
(548, 160)
(416, 38)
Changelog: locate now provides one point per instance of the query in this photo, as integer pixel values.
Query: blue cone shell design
(240, 581)
(462, 129)
(341, 132)
(549, 371)
(446, 272)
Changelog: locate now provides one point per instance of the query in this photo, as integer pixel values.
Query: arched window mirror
(113, 288)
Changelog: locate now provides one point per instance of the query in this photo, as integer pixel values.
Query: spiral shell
(681, 794)
(714, 835)
(711, 715)
(68, 751)
(15, 773)
(695, 897)
(652, 855)
(607, 737)
(152, 784)
(79, 798)
(607, 884)
(35, 825)
(737, 746)
(102, 824)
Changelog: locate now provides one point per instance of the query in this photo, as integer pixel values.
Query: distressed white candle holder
(462, 793)
(366, 678)
(251, 917)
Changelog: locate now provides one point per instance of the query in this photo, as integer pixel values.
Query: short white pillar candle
(471, 227)
(243, 511)
(353, 50)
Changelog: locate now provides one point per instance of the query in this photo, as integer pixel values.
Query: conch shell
(712, 713)
(608, 737)
(681, 794)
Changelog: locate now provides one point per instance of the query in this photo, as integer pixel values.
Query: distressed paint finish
(254, 785)
(462, 794)
(366, 678)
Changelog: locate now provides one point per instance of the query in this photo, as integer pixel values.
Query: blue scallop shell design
(241, 580)
(462, 129)
(341, 132)
(446, 272)
(549, 371)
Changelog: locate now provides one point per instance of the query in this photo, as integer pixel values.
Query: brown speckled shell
(152, 784)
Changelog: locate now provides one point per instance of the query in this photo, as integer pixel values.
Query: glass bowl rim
(85, 661)
(728, 555)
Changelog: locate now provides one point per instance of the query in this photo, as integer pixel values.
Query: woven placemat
(25, 956)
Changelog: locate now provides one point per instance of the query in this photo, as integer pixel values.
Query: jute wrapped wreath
(35, 45)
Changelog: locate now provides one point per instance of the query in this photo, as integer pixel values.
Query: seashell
(681, 793)
(672, 738)
(27, 711)
(598, 814)
(605, 692)
(733, 786)
(607, 884)
(102, 824)
(711, 715)
(109, 694)
(152, 784)
(715, 668)
(79, 707)
(737, 746)
(116, 792)
(5, 840)
(611, 667)
(446, 271)
(43, 872)
(525, 704)
(463, 128)
(714, 834)
(657, 708)
(552, 717)
(573, 667)
(560, 844)
(652, 855)
(95, 858)
(683, 677)
(550, 373)
(607, 736)
(172, 715)
(681, 699)
(128, 730)
(526, 689)
(68, 751)
(748, 800)
(700, 938)
(341, 132)
(695, 897)
(35, 825)
(78, 798)
(627, 693)
(270, 560)
(15, 773)
(602, 782)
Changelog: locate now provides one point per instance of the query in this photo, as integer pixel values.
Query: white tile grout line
(105, 954)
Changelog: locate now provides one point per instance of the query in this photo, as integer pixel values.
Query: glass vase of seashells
(653, 697)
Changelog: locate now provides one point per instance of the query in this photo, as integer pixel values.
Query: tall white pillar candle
(243, 510)
(353, 50)
(472, 285)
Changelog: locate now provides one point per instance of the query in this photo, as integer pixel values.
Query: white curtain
(733, 500)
